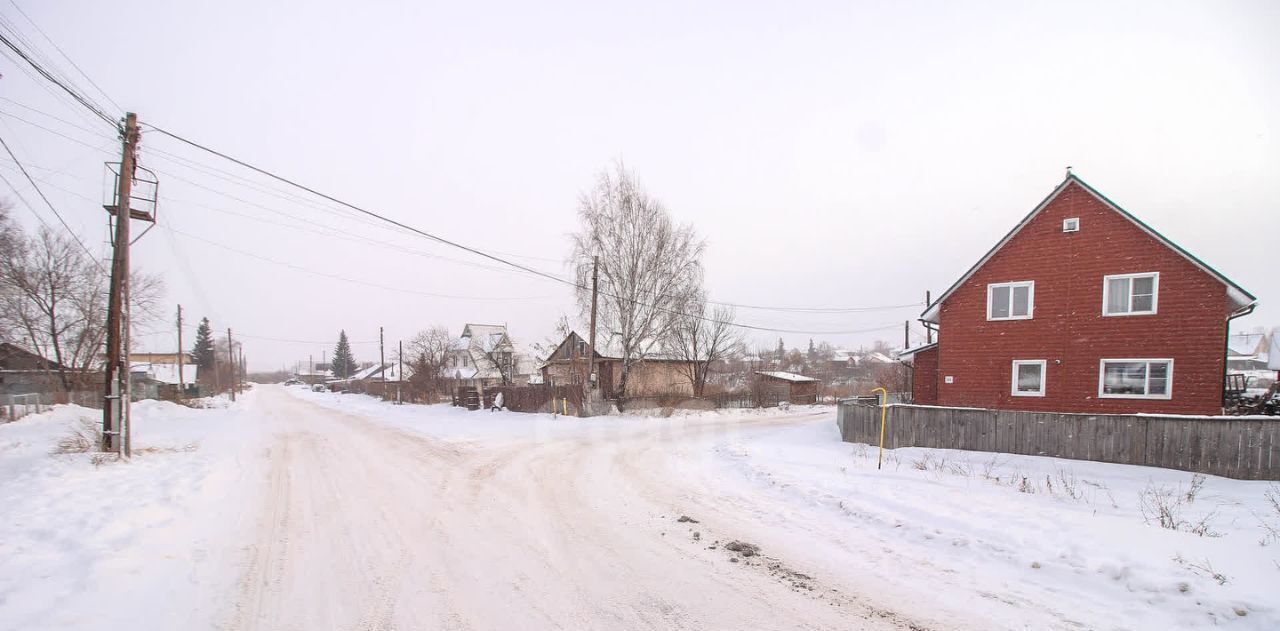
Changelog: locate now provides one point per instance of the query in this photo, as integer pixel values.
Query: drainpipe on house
(1226, 348)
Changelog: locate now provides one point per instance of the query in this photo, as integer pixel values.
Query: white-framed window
(1135, 379)
(1071, 225)
(1011, 301)
(1029, 376)
(1130, 294)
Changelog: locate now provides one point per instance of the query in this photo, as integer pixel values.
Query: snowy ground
(301, 510)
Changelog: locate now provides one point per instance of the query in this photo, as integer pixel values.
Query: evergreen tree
(782, 351)
(813, 350)
(344, 363)
(202, 352)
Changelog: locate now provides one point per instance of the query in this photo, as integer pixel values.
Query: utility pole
(928, 332)
(231, 362)
(382, 362)
(591, 344)
(400, 376)
(115, 408)
(182, 384)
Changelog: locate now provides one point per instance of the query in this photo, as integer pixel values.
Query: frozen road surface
(368, 526)
(294, 510)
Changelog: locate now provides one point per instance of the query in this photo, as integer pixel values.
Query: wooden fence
(16, 406)
(1233, 447)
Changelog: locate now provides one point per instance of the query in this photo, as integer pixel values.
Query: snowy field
(299, 510)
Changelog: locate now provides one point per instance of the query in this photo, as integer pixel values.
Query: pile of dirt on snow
(743, 548)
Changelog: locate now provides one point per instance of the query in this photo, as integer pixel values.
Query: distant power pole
(400, 376)
(231, 363)
(382, 362)
(115, 408)
(928, 332)
(591, 335)
(182, 386)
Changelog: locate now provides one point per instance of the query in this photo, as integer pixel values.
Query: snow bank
(995, 531)
(90, 542)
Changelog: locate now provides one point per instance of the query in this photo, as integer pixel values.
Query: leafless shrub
(924, 463)
(989, 468)
(1203, 567)
(1026, 486)
(1105, 489)
(1068, 486)
(1163, 505)
(957, 468)
(82, 438)
(1197, 483)
(1270, 520)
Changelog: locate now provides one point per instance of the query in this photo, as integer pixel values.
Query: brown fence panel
(1230, 447)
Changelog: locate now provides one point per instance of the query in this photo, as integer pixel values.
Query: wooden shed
(788, 386)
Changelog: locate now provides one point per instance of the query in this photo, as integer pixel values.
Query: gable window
(1028, 377)
(1135, 379)
(1011, 301)
(1130, 294)
(1071, 225)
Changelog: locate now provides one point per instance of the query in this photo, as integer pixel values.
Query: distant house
(159, 379)
(156, 375)
(655, 375)
(1247, 352)
(25, 372)
(1081, 307)
(486, 356)
(787, 386)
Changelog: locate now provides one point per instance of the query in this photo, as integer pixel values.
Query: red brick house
(1081, 308)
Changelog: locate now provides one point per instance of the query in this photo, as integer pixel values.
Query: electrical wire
(81, 99)
(306, 270)
(93, 258)
(56, 132)
(481, 253)
(65, 56)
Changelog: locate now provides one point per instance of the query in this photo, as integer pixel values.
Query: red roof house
(1081, 308)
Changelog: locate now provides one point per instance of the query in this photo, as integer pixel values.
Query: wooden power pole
(382, 362)
(182, 385)
(231, 362)
(928, 332)
(115, 408)
(400, 376)
(591, 335)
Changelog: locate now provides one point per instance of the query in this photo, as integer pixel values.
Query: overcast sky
(836, 154)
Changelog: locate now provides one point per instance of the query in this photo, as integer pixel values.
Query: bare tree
(11, 244)
(703, 338)
(427, 353)
(547, 346)
(55, 302)
(649, 267)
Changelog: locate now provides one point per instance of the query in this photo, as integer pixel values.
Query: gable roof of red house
(1237, 294)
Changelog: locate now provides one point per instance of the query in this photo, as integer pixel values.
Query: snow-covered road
(371, 527)
(296, 510)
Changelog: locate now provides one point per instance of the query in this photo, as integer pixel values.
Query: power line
(56, 132)
(57, 214)
(54, 117)
(306, 270)
(466, 248)
(25, 202)
(65, 56)
(81, 99)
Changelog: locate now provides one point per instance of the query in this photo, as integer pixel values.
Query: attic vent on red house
(1071, 225)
